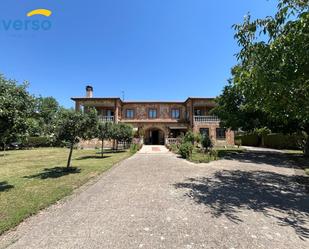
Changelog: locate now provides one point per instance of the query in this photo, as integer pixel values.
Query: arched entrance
(154, 136)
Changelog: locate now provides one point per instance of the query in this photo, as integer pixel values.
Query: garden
(199, 148)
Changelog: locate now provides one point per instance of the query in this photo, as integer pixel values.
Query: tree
(270, 84)
(122, 133)
(46, 113)
(206, 142)
(73, 126)
(104, 132)
(16, 106)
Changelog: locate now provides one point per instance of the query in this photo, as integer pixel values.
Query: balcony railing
(206, 119)
(172, 140)
(106, 118)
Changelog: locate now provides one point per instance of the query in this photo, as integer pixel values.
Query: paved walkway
(160, 201)
(153, 149)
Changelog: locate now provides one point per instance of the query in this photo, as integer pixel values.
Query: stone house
(159, 122)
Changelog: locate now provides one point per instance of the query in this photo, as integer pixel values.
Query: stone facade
(157, 121)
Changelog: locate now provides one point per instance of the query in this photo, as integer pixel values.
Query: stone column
(77, 106)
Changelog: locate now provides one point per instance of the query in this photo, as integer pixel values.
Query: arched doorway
(154, 136)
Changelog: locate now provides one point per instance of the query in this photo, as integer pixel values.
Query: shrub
(238, 142)
(189, 137)
(174, 148)
(135, 148)
(37, 142)
(206, 142)
(185, 150)
(249, 140)
(198, 137)
(281, 141)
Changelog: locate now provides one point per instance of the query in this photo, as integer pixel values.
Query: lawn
(33, 179)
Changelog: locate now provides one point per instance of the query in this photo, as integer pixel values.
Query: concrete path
(153, 149)
(160, 201)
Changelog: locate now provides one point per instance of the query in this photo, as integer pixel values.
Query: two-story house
(159, 122)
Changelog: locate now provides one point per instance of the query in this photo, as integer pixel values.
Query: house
(159, 122)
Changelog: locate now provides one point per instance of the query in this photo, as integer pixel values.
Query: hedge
(249, 140)
(281, 141)
(37, 142)
(274, 140)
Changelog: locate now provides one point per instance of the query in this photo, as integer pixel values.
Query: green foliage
(185, 150)
(249, 139)
(122, 132)
(189, 137)
(174, 148)
(281, 141)
(274, 140)
(73, 125)
(270, 84)
(198, 137)
(135, 148)
(16, 106)
(206, 142)
(37, 142)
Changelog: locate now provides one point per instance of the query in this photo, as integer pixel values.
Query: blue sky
(151, 49)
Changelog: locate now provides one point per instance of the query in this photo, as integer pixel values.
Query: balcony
(106, 119)
(206, 119)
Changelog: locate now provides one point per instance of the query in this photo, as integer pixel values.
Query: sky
(150, 49)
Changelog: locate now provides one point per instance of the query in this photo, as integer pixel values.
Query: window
(130, 113)
(152, 113)
(175, 113)
(204, 131)
(197, 112)
(220, 133)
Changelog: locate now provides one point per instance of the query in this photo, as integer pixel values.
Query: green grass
(216, 153)
(33, 179)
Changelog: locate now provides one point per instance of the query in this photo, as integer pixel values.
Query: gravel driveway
(156, 200)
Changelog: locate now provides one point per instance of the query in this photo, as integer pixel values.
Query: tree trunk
(4, 145)
(102, 148)
(306, 147)
(70, 155)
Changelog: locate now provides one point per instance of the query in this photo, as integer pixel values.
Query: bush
(185, 150)
(37, 142)
(135, 148)
(174, 148)
(249, 140)
(189, 137)
(206, 142)
(281, 141)
(238, 142)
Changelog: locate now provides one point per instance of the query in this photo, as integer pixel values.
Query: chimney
(89, 91)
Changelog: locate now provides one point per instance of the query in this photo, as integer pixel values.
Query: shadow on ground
(228, 193)
(112, 151)
(91, 157)
(55, 172)
(4, 186)
(272, 158)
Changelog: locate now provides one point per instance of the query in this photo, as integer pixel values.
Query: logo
(29, 24)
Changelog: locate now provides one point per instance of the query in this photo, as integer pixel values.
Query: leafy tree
(206, 142)
(122, 133)
(46, 113)
(16, 106)
(270, 84)
(104, 132)
(72, 126)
